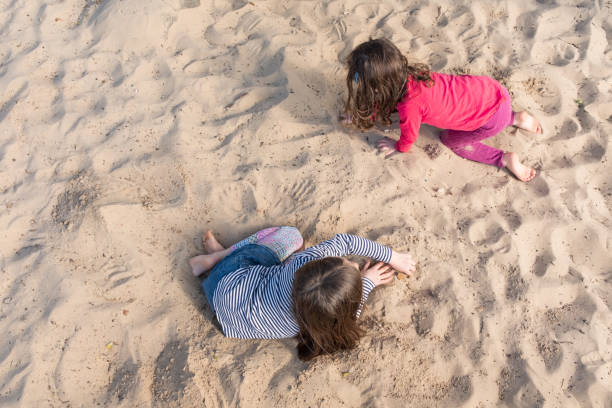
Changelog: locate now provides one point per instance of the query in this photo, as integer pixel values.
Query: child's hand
(379, 274)
(346, 119)
(386, 146)
(402, 262)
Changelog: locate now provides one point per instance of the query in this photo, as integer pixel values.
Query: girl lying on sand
(472, 108)
(258, 291)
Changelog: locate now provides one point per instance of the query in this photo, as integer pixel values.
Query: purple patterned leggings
(467, 144)
(282, 240)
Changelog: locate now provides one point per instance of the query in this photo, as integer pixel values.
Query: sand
(128, 128)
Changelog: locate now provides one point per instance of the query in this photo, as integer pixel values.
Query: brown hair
(377, 76)
(326, 299)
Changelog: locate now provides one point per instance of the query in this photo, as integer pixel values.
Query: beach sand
(128, 128)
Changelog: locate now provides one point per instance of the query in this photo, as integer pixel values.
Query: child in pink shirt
(471, 108)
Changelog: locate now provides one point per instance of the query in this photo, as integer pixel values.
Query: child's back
(463, 102)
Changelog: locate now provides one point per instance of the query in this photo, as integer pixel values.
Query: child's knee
(447, 140)
(293, 238)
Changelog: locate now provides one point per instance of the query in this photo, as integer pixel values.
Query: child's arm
(372, 276)
(366, 287)
(346, 244)
(410, 121)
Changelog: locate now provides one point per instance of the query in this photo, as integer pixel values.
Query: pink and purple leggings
(467, 144)
(283, 241)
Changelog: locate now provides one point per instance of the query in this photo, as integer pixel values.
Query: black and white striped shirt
(255, 302)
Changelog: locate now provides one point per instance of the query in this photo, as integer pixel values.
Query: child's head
(326, 297)
(377, 76)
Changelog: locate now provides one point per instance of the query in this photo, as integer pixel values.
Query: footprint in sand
(592, 152)
(71, 205)
(588, 92)
(124, 382)
(512, 217)
(569, 130)
(456, 327)
(428, 301)
(171, 374)
(555, 52)
(516, 287)
(527, 24)
(423, 320)
(551, 352)
(460, 389)
(585, 119)
(485, 232)
(515, 386)
(572, 316)
(539, 186)
(580, 384)
(437, 61)
(493, 183)
(542, 262)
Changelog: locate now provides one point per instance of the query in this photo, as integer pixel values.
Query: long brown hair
(376, 80)
(326, 299)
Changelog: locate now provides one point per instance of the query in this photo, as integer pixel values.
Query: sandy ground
(127, 128)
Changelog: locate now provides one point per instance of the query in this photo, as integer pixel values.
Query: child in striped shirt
(262, 288)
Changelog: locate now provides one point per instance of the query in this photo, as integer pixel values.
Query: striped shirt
(255, 302)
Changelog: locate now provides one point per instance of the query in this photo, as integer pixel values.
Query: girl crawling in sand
(262, 288)
(471, 108)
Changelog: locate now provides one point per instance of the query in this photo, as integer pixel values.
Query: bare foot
(202, 263)
(521, 171)
(524, 120)
(210, 243)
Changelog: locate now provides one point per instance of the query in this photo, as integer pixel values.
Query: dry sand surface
(127, 128)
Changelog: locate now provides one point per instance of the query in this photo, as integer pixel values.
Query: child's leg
(255, 238)
(282, 240)
(467, 144)
(202, 263)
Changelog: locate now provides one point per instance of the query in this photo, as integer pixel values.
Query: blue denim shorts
(248, 255)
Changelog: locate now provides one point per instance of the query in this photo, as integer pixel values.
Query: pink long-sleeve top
(458, 102)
